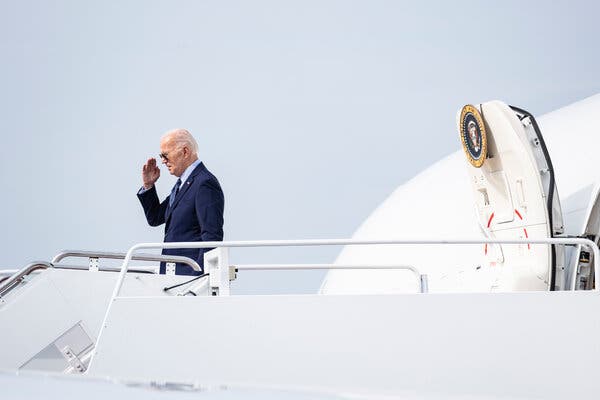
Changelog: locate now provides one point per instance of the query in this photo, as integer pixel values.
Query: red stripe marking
(490, 220)
(518, 214)
(488, 225)
(524, 230)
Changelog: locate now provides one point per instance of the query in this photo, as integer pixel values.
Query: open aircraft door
(515, 196)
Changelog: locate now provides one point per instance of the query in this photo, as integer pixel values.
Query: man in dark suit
(193, 212)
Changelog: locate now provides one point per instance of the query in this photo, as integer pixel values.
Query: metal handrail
(121, 256)
(9, 283)
(265, 267)
(7, 273)
(138, 269)
(421, 278)
(16, 279)
(347, 242)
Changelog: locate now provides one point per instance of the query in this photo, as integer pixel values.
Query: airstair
(534, 291)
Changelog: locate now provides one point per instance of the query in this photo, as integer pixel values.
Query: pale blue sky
(310, 112)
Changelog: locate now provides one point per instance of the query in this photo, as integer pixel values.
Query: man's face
(173, 156)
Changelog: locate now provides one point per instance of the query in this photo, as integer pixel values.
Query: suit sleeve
(153, 208)
(210, 204)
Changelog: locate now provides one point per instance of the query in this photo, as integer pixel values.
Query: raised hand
(150, 173)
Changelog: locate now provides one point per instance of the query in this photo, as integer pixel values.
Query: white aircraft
(476, 278)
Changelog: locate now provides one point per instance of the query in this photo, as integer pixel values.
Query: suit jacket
(196, 215)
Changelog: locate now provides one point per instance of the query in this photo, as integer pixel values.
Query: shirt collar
(188, 171)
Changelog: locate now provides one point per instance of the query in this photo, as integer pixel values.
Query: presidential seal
(473, 135)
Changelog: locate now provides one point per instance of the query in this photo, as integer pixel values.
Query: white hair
(183, 138)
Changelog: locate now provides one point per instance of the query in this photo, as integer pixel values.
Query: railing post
(94, 264)
(170, 268)
(216, 263)
(424, 283)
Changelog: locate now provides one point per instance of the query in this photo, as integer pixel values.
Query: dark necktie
(174, 192)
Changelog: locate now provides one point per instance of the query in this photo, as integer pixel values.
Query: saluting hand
(150, 173)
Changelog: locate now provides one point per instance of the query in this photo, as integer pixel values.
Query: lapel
(185, 186)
